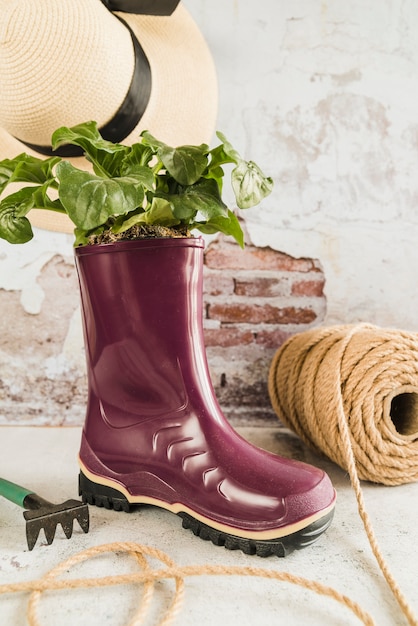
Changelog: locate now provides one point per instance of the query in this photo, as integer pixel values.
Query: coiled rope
(358, 381)
(351, 392)
(315, 392)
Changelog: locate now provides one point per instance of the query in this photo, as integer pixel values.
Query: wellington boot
(154, 432)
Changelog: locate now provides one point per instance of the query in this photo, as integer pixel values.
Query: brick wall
(253, 300)
(37, 387)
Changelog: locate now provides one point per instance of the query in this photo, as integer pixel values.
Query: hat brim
(184, 96)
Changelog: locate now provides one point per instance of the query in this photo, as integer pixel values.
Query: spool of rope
(359, 375)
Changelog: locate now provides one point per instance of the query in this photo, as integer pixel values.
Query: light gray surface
(45, 460)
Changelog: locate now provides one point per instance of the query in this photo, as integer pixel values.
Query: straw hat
(64, 62)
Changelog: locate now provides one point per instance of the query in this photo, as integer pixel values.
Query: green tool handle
(14, 493)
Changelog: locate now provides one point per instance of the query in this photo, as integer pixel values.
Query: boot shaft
(142, 318)
(156, 282)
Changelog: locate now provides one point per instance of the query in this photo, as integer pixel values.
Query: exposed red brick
(271, 339)
(215, 284)
(225, 255)
(259, 314)
(227, 336)
(260, 287)
(308, 288)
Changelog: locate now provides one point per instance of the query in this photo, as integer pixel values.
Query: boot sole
(104, 496)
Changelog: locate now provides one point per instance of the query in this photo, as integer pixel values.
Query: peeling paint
(21, 265)
(330, 114)
(321, 95)
(72, 355)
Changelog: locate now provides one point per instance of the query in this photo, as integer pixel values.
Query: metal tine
(82, 517)
(49, 530)
(33, 528)
(67, 527)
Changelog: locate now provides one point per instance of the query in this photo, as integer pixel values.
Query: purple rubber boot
(154, 432)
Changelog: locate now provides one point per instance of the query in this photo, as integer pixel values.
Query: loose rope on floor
(351, 393)
(147, 577)
(315, 393)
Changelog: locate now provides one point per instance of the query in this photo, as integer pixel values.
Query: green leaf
(14, 226)
(218, 158)
(42, 201)
(83, 135)
(138, 155)
(33, 170)
(21, 201)
(90, 200)
(105, 156)
(27, 169)
(185, 164)
(15, 229)
(217, 174)
(229, 225)
(106, 164)
(140, 173)
(80, 237)
(149, 140)
(249, 184)
(203, 197)
(124, 222)
(161, 212)
(227, 150)
(183, 207)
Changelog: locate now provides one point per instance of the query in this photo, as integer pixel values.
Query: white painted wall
(324, 95)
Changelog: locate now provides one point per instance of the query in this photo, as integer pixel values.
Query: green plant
(148, 182)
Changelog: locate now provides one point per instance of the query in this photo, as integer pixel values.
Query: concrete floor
(44, 459)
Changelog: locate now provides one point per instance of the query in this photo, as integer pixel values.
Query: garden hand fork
(40, 513)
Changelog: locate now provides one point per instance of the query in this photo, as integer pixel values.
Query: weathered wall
(323, 96)
(253, 300)
(42, 365)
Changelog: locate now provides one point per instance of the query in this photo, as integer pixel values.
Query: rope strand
(149, 577)
(335, 375)
(335, 381)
